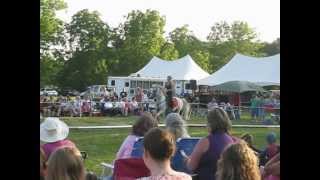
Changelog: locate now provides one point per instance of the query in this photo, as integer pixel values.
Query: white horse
(181, 107)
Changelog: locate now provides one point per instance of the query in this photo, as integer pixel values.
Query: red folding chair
(129, 169)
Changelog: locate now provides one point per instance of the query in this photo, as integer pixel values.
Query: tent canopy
(238, 87)
(263, 70)
(181, 69)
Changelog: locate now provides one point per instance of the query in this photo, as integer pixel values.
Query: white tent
(181, 69)
(262, 70)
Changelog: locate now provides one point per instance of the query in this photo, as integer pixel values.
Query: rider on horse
(170, 93)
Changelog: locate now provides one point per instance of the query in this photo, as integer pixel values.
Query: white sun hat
(52, 130)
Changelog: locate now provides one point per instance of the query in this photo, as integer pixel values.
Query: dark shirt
(171, 89)
(123, 94)
(208, 163)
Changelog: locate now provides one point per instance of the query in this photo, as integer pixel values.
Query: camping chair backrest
(187, 145)
(137, 148)
(130, 168)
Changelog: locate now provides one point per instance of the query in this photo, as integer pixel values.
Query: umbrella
(238, 87)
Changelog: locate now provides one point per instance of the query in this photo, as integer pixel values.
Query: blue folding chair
(137, 148)
(187, 145)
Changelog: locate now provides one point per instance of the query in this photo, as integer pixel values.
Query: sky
(200, 15)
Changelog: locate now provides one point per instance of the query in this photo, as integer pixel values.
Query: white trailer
(130, 83)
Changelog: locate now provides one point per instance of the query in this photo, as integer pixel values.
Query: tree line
(87, 50)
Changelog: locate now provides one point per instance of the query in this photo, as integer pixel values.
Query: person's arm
(273, 160)
(193, 161)
(273, 166)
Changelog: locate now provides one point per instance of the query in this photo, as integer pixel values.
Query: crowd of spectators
(220, 155)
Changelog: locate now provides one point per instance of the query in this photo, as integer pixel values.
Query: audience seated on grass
(124, 106)
(54, 133)
(140, 127)
(66, 163)
(134, 107)
(248, 138)
(271, 171)
(43, 164)
(159, 147)
(203, 159)
(238, 162)
(176, 125)
(271, 150)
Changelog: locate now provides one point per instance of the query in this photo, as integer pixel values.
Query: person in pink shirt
(54, 133)
(140, 127)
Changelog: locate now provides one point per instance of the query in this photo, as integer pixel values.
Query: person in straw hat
(54, 133)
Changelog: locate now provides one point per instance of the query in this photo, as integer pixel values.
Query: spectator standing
(139, 97)
(262, 103)
(254, 107)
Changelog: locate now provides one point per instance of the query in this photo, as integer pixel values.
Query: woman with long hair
(203, 159)
(238, 162)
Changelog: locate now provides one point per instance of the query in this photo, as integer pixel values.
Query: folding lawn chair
(137, 148)
(127, 169)
(186, 145)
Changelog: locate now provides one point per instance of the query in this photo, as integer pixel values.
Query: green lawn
(118, 120)
(102, 144)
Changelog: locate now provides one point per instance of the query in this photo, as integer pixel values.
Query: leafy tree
(184, 40)
(83, 69)
(88, 39)
(50, 34)
(186, 43)
(226, 40)
(87, 31)
(50, 25)
(168, 52)
(271, 48)
(138, 39)
(49, 69)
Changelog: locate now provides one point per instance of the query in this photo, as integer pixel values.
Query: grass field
(102, 144)
(119, 120)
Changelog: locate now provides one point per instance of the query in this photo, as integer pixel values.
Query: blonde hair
(238, 162)
(66, 164)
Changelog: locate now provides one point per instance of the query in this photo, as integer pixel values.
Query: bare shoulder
(182, 176)
(203, 142)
